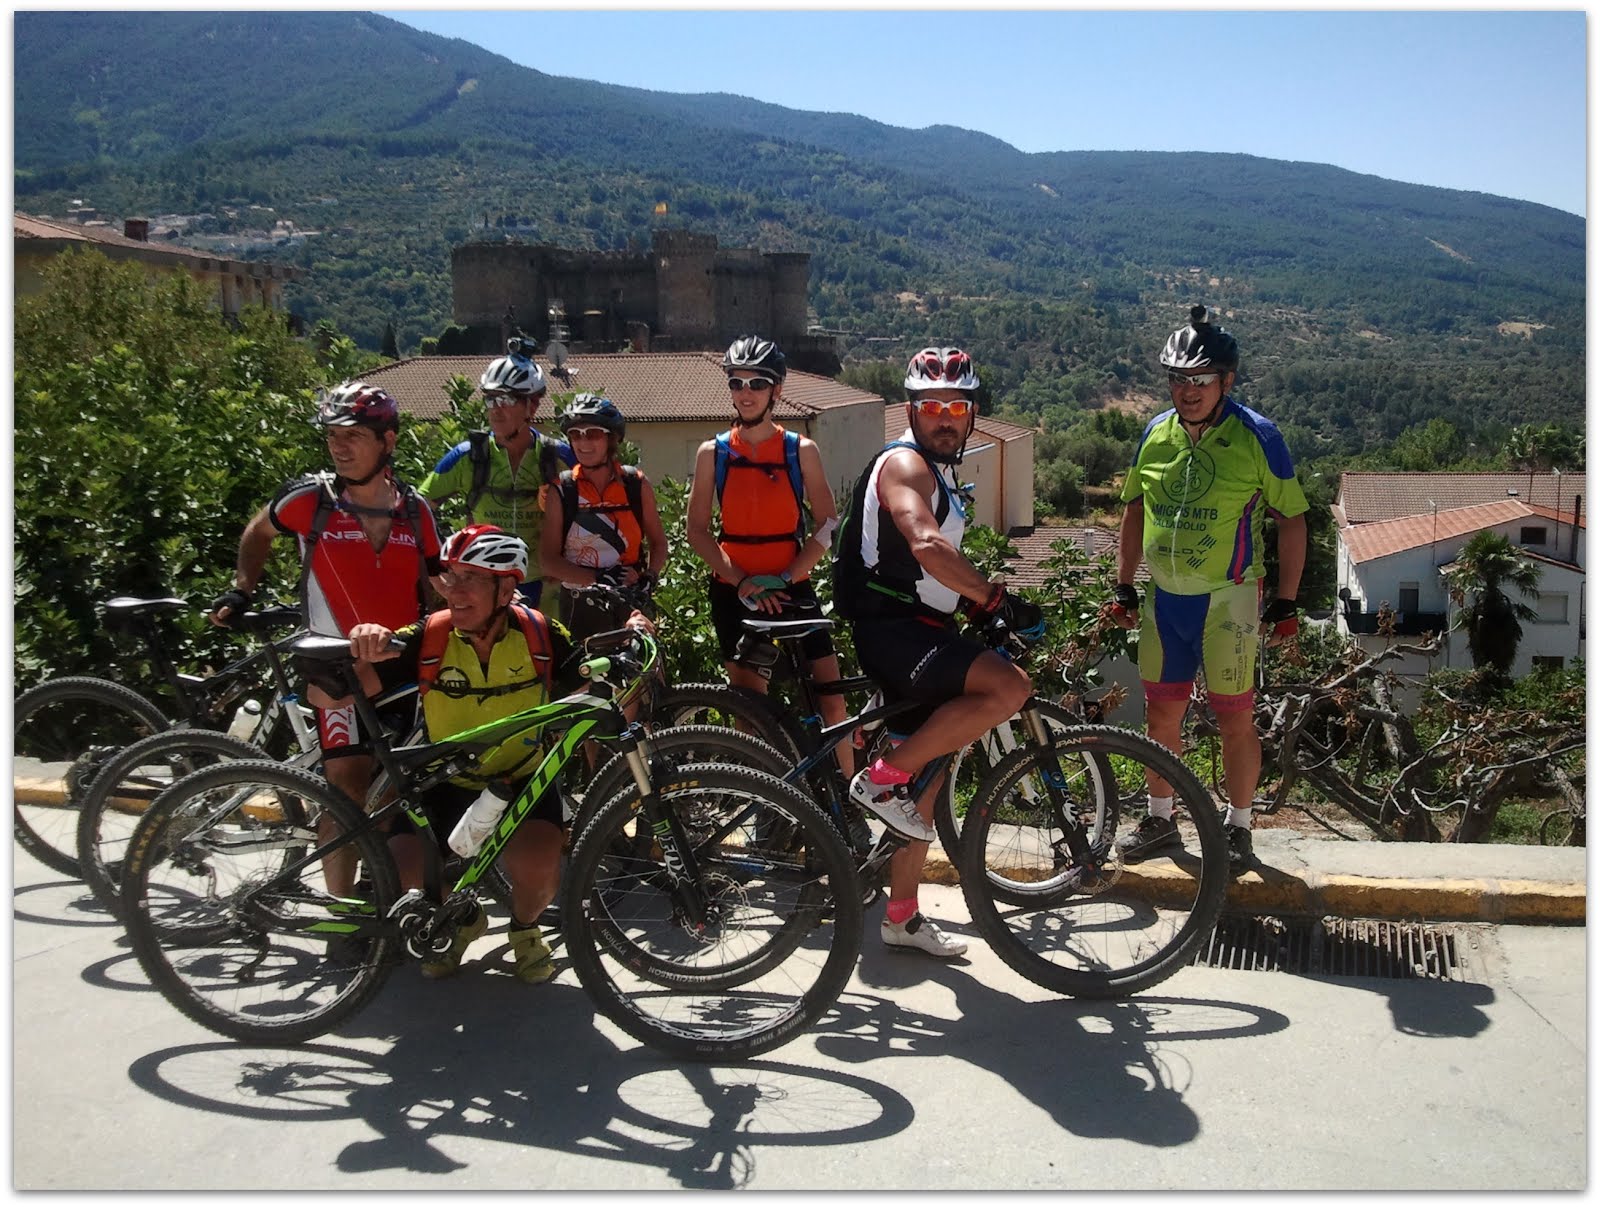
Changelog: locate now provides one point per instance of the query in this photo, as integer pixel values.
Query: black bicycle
(67, 729)
(667, 910)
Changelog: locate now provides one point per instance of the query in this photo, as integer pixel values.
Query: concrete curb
(1268, 890)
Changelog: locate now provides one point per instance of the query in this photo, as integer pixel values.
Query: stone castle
(684, 294)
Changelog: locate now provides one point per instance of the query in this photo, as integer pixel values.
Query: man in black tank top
(907, 537)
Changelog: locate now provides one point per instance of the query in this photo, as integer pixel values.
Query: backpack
(726, 459)
(863, 594)
(327, 501)
(436, 632)
(632, 487)
(478, 454)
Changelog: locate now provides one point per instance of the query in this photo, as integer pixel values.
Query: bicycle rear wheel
(226, 925)
(726, 707)
(65, 731)
(780, 932)
(1088, 778)
(124, 789)
(1109, 930)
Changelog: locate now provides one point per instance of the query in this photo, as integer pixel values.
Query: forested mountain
(1365, 307)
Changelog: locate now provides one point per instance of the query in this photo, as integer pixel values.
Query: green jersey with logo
(1205, 501)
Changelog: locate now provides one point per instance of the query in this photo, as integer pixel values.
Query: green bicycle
(738, 949)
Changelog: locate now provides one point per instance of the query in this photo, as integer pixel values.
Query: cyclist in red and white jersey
(368, 546)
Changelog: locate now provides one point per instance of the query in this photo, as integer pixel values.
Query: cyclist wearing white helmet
(368, 544)
(501, 474)
(483, 657)
(1204, 475)
(899, 575)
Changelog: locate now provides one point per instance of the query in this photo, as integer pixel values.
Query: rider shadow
(485, 1057)
(1100, 1069)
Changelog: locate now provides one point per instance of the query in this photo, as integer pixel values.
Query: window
(1535, 536)
(1548, 662)
(1409, 597)
(1552, 609)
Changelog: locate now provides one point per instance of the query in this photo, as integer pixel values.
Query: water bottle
(477, 823)
(245, 720)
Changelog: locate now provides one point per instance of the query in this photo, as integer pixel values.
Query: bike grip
(595, 668)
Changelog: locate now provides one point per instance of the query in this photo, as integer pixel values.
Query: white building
(1397, 561)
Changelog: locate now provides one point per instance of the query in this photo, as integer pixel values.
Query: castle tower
(791, 275)
(685, 291)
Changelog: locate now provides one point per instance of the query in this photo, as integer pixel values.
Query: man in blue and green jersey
(1204, 477)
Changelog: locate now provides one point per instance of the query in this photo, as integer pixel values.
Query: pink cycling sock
(901, 910)
(881, 773)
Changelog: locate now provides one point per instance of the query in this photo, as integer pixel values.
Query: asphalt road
(932, 1076)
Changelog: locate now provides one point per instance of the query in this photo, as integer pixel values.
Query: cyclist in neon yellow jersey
(1205, 476)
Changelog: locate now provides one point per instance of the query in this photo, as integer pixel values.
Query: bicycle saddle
(126, 605)
(320, 649)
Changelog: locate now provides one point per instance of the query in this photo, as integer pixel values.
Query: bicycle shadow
(1101, 1070)
(63, 902)
(484, 1057)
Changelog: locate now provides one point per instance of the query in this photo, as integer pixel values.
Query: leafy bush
(148, 430)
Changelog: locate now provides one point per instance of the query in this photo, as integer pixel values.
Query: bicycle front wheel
(674, 747)
(66, 730)
(1101, 930)
(699, 941)
(234, 924)
(1087, 778)
(124, 789)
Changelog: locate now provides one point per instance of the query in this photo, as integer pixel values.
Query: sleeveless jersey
(1204, 501)
(759, 511)
(887, 556)
(349, 582)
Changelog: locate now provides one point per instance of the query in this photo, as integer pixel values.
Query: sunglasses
(933, 406)
(587, 433)
(736, 384)
(1195, 379)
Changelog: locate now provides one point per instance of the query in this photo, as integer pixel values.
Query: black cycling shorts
(727, 613)
(915, 659)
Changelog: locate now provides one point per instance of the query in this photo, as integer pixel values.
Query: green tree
(148, 430)
(391, 342)
(1492, 620)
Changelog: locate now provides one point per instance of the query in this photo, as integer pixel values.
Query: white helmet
(941, 369)
(511, 375)
(487, 548)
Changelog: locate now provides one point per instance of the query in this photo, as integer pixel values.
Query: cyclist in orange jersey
(762, 552)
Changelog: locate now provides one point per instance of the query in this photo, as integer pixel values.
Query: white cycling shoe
(921, 934)
(892, 804)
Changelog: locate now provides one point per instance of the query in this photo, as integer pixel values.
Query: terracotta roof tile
(1384, 537)
(29, 227)
(1033, 548)
(1372, 497)
(647, 386)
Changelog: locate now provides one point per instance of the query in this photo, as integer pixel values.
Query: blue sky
(1488, 101)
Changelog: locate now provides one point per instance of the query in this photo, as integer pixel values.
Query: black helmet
(753, 354)
(1201, 346)
(587, 409)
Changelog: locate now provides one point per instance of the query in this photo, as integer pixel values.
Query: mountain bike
(66, 729)
(775, 644)
(229, 916)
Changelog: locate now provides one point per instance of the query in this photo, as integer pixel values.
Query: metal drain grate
(1403, 951)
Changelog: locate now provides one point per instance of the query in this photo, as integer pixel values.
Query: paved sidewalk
(925, 1075)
